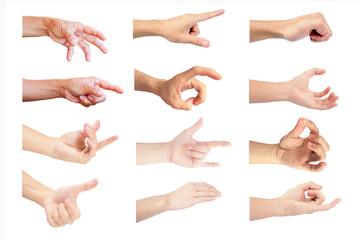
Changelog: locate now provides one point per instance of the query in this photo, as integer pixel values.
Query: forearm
(33, 190)
(260, 30)
(146, 83)
(261, 153)
(34, 26)
(36, 142)
(143, 28)
(264, 208)
(149, 207)
(260, 92)
(150, 153)
(42, 89)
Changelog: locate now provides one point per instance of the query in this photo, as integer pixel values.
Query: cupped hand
(190, 194)
(170, 91)
(185, 29)
(305, 198)
(80, 146)
(301, 94)
(313, 25)
(61, 206)
(302, 153)
(186, 151)
(70, 34)
(88, 91)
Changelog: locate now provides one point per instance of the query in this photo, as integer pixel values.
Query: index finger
(215, 144)
(311, 126)
(208, 15)
(309, 186)
(91, 31)
(86, 186)
(109, 86)
(199, 71)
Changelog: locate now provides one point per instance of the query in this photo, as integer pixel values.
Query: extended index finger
(109, 86)
(214, 144)
(199, 71)
(208, 15)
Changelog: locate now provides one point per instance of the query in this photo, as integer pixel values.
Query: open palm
(301, 94)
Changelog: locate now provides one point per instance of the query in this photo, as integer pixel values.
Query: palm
(301, 94)
(179, 146)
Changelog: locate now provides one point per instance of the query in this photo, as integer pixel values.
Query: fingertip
(205, 43)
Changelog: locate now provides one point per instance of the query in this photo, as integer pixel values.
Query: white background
(109, 209)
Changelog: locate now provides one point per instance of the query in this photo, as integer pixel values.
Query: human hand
(87, 91)
(185, 151)
(80, 146)
(300, 153)
(190, 194)
(295, 202)
(185, 29)
(170, 91)
(299, 92)
(313, 25)
(61, 207)
(70, 34)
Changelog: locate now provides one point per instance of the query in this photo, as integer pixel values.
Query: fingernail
(73, 41)
(205, 43)
(311, 136)
(99, 92)
(310, 144)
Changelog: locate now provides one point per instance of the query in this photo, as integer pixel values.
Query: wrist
(45, 195)
(278, 207)
(165, 202)
(157, 86)
(143, 28)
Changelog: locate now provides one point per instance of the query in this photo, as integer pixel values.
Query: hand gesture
(70, 34)
(313, 25)
(170, 91)
(61, 207)
(191, 194)
(88, 90)
(80, 146)
(301, 94)
(295, 201)
(185, 29)
(186, 151)
(299, 153)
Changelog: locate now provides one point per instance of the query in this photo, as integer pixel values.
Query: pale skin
(186, 196)
(296, 91)
(60, 205)
(183, 150)
(170, 90)
(312, 25)
(87, 91)
(300, 153)
(66, 33)
(181, 29)
(78, 146)
(305, 198)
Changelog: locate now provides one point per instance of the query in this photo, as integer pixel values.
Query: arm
(78, 146)
(170, 90)
(34, 26)
(181, 29)
(296, 91)
(87, 91)
(183, 150)
(313, 25)
(61, 205)
(34, 191)
(184, 197)
(260, 92)
(305, 198)
(292, 150)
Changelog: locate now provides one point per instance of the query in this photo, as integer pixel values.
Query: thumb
(193, 129)
(298, 129)
(199, 41)
(86, 186)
